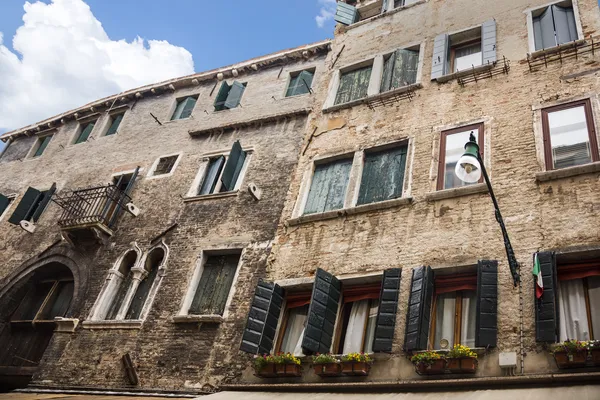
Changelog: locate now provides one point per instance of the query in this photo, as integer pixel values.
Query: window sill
(65, 325)
(381, 205)
(556, 49)
(375, 97)
(211, 196)
(132, 324)
(545, 176)
(456, 192)
(209, 318)
(465, 72)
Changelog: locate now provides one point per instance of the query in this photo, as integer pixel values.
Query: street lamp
(469, 169)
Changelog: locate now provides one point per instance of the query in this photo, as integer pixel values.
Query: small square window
(328, 186)
(184, 108)
(85, 130)
(164, 165)
(229, 96)
(40, 145)
(113, 124)
(223, 172)
(300, 83)
(452, 147)
(569, 135)
(382, 175)
(215, 283)
(554, 25)
(353, 85)
(400, 69)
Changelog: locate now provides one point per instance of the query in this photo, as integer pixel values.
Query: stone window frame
(544, 173)
(374, 89)
(150, 174)
(205, 159)
(353, 188)
(110, 287)
(530, 37)
(81, 123)
(31, 154)
(183, 315)
(4, 213)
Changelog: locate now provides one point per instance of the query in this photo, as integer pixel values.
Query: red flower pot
(570, 360)
(453, 364)
(267, 371)
(355, 368)
(288, 370)
(436, 367)
(329, 369)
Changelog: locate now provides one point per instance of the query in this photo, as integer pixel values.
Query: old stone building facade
(363, 237)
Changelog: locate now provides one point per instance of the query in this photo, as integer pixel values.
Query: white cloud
(66, 60)
(326, 13)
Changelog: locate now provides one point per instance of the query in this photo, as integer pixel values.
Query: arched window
(154, 261)
(121, 285)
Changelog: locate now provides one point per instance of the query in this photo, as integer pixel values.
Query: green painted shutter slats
(261, 324)
(233, 166)
(85, 133)
(141, 294)
(400, 69)
(486, 323)
(328, 187)
(300, 84)
(222, 96)
(546, 307)
(346, 14)
(214, 286)
(212, 173)
(26, 206)
(419, 309)
(383, 176)
(388, 68)
(43, 202)
(114, 125)
(322, 313)
(353, 85)
(178, 110)
(43, 144)
(188, 107)
(386, 314)
(4, 202)
(235, 95)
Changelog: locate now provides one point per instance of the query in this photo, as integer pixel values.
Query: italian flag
(537, 272)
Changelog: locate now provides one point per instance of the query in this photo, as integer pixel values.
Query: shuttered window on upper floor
(184, 108)
(400, 69)
(215, 284)
(353, 85)
(85, 130)
(114, 123)
(328, 186)
(40, 145)
(554, 25)
(5, 202)
(382, 175)
(229, 96)
(32, 205)
(223, 172)
(300, 83)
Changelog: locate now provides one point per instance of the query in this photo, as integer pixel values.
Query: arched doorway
(27, 320)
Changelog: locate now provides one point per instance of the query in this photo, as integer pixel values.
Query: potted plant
(356, 364)
(264, 366)
(286, 364)
(461, 359)
(570, 353)
(326, 365)
(429, 363)
(594, 346)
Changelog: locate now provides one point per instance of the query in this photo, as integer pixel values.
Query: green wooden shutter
(85, 133)
(353, 85)
(346, 14)
(383, 175)
(546, 307)
(141, 293)
(188, 107)
(261, 325)
(388, 306)
(114, 125)
(222, 96)
(215, 285)
(235, 95)
(419, 309)
(43, 202)
(305, 79)
(293, 86)
(4, 202)
(178, 110)
(26, 206)
(212, 173)
(487, 304)
(388, 67)
(232, 169)
(328, 187)
(405, 68)
(43, 144)
(322, 313)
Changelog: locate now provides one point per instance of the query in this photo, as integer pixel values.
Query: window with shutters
(465, 50)
(328, 186)
(164, 166)
(114, 121)
(579, 300)
(210, 293)
(184, 108)
(32, 205)
(554, 25)
(300, 83)
(452, 147)
(229, 96)
(40, 146)
(5, 203)
(84, 131)
(569, 135)
(353, 84)
(382, 175)
(293, 324)
(400, 69)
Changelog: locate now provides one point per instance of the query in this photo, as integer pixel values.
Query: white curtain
(356, 327)
(469, 314)
(371, 324)
(573, 313)
(294, 331)
(594, 295)
(444, 319)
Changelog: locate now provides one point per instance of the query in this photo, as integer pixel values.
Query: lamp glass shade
(468, 168)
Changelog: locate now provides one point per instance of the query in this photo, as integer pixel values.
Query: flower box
(463, 365)
(288, 370)
(267, 371)
(595, 356)
(328, 369)
(570, 360)
(433, 368)
(355, 368)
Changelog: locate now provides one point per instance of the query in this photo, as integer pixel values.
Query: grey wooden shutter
(222, 96)
(235, 95)
(439, 63)
(322, 313)
(564, 23)
(114, 125)
(188, 107)
(486, 323)
(488, 41)
(4, 202)
(546, 309)
(543, 30)
(419, 309)
(261, 325)
(233, 166)
(388, 306)
(43, 203)
(26, 206)
(328, 187)
(388, 68)
(346, 14)
(383, 175)
(384, 6)
(210, 178)
(405, 68)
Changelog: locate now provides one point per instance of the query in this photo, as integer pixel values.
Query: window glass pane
(383, 175)
(444, 319)
(466, 57)
(294, 331)
(469, 315)
(119, 297)
(213, 171)
(594, 296)
(353, 85)
(179, 109)
(569, 137)
(573, 312)
(328, 187)
(455, 148)
(300, 84)
(355, 330)
(371, 325)
(165, 165)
